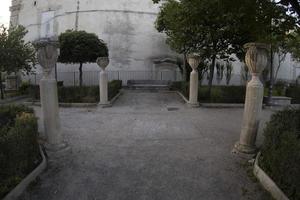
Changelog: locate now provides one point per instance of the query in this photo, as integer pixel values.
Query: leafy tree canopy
(221, 27)
(81, 47)
(15, 53)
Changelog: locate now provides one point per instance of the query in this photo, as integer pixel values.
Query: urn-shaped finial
(103, 62)
(47, 54)
(193, 60)
(256, 57)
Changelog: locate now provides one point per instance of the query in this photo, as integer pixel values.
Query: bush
(114, 88)
(294, 93)
(19, 149)
(8, 114)
(280, 151)
(24, 88)
(219, 94)
(76, 94)
(84, 94)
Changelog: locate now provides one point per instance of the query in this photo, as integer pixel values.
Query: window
(47, 23)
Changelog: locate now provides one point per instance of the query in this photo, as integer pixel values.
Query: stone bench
(148, 84)
(279, 100)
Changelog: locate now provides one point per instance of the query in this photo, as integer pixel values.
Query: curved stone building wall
(127, 26)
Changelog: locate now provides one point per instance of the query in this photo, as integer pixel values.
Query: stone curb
(21, 187)
(66, 105)
(267, 182)
(222, 105)
(114, 99)
(182, 96)
(10, 100)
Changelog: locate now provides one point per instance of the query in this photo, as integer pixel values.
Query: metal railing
(90, 78)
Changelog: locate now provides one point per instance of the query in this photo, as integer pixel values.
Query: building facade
(127, 26)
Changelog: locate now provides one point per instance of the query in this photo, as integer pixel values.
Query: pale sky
(4, 11)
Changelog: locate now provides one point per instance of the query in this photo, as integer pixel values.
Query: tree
(81, 47)
(292, 5)
(216, 29)
(15, 53)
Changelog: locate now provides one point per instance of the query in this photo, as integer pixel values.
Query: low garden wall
(19, 148)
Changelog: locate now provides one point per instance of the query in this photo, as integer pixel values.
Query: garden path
(148, 146)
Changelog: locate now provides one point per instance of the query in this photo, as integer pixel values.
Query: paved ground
(149, 146)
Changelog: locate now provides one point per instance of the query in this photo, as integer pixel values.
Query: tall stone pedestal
(47, 53)
(49, 103)
(194, 60)
(194, 82)
(256, 60)
(104, 88)
(103, 83)
(251, 118)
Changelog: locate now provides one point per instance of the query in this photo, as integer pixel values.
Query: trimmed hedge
(19, 149)
(281, 151)
(76, 94)
(294, 93)
(219, 94)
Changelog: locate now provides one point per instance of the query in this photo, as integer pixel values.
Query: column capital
(47, 54)
(194, 60)
(256, 57)
(102, 62)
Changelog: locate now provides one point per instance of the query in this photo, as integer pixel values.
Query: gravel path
(148, 146)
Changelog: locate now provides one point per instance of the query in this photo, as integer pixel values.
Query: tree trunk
(80, 75)
(1, 86)
(184, 71)
(270, 92)
(55, 72)
(211, 74)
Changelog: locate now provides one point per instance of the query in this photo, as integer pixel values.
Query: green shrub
(219, 94)
(181, 86)
(8, 114)
(281, 151)
(19, 150)
(84, 94)
(294, 93)
(77, 94)
(114, 88)
(23, 88)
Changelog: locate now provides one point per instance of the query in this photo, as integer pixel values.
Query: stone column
(47, 54)
(256, 60)
(194, 60)
(103, 85)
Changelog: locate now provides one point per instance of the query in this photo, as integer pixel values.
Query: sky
(4, 11)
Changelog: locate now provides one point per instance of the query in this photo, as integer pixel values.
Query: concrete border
(182, 96)
(66, 105)
(21, 187)
(267, 182)
(114, 99)
(12, 99)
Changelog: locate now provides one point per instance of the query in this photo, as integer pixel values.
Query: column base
(245, 149)
(193, 105)
(56, 148)
(105, 105)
